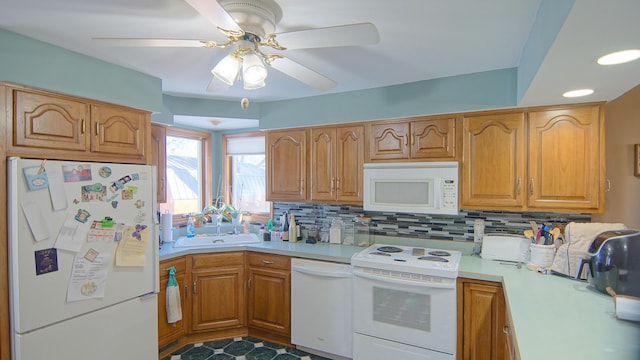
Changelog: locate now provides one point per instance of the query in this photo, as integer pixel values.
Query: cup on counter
(542, 255)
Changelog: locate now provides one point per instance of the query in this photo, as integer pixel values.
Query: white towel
(174, 308)
(578, 238)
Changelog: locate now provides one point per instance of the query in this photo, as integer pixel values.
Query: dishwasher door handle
(330, 274)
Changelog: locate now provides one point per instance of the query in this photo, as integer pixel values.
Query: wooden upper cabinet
(158, 157)
(420, 138)
(42, 123)
(350, 163)
(336, 163)
(493, 166)
(435, 138)
(286, 165)
(118, 130)
(565, 148)
(49, 121)
(389, 141)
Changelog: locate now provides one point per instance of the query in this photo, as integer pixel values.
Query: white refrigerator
(83, 260)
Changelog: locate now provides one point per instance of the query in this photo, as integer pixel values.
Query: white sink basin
(206, 240)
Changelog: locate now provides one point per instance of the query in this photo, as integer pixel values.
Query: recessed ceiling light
(578, 93)
(619, 57)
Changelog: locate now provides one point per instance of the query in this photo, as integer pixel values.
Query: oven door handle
(405, 282)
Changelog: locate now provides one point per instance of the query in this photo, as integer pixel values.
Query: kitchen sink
(210, 240)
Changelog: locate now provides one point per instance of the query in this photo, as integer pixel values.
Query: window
(245, 174)
(188, 171)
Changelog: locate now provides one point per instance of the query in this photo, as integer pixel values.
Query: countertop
(553, 317)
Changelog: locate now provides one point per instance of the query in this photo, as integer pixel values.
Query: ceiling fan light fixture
(253, 70)
(255, 85)
(227, 69)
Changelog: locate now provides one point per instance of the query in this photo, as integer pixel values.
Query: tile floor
(246, 348)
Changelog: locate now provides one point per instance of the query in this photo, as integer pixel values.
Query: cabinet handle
(519, 186)
(338, 184)
(505, 329)
(97, 129)
(413, 139)
(84, 126)
(194, 287)
(186, 290)
(608, 188)
(406, 140)
(531, 186)
(249, 283)
(332, 188)
(268, 262)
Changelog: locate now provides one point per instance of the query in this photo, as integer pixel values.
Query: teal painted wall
(479, 91)
(30, 62)
(550, 18)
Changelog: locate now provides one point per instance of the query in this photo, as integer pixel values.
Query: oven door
(408, 308)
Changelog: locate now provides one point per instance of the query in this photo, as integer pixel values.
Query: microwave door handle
(405, 282)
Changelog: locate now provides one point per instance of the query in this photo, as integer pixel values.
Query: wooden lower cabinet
(171, 332)
(269, 297)
(225, 295)
(218, 291)
(481, 320)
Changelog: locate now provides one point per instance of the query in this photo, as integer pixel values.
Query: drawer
(219, 259)
(269, 261)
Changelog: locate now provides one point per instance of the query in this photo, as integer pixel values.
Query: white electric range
(404, 302)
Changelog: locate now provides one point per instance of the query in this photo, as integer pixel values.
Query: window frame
(207, 165)
(226, 172)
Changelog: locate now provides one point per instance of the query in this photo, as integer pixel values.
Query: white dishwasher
(321, 307)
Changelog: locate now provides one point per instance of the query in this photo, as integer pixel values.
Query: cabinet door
(322, 164)
(433, 139)
(565, 147)
(170, 332)
(159, 159)
(118, 130)
(218, 298)
(350, 163)
(286, 165)
(389, 141)
(482, 321)
(269, 296)
(270, 300)
(49, 121)
(494, 161)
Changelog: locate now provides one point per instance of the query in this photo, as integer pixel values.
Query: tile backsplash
(441, 227)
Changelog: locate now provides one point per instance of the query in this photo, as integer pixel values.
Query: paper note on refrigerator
(36, 221)
(72, 235)
(56, 190)
(88, 278)
(132, 247)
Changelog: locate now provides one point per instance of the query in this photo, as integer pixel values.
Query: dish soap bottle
(191, 227)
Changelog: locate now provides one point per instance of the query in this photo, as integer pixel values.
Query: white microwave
(419, 187)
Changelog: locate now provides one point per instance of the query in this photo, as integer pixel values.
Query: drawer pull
(268, 262)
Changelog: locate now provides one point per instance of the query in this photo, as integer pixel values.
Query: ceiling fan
(249, 26)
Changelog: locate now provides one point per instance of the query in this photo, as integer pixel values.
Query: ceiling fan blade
(148, 42)
(215, 13)
(334, 36)
(216, 85)
(303, 74)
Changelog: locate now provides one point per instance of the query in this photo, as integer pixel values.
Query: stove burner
(378, 253)
(433, 258)
(439, 253)
(389, 249)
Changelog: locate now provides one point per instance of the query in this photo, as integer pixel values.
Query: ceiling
(419, 40)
